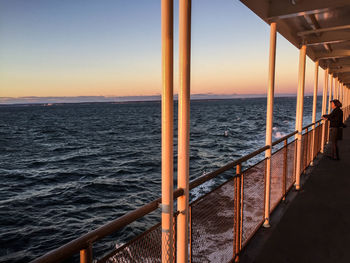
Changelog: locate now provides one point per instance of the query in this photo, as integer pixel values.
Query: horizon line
(120, 99)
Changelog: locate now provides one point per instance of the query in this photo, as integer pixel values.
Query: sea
(67, 169)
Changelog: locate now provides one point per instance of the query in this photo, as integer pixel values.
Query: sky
(53, 48)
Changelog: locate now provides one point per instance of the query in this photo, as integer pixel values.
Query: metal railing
(222, 221)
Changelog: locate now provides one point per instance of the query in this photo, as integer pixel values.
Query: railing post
(184, 128)
(167, 17)
(237, 214)
(285, 163)
(314, 112)
(190, 233)
(299, 124)
(269, 120)
(86, 255)
(324, 109)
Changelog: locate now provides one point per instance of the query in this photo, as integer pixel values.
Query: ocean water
(68, 169)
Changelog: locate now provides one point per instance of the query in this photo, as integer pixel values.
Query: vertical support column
(299, 125)
(184, 127)
(335, 88)
(330, 96)
(347, 101)
(342, 92)
(269, 120)
(167, 16)
(314, 112)
(338, 88)
(346, 96)
(324, 108)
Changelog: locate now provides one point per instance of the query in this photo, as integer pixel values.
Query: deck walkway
(315, 225)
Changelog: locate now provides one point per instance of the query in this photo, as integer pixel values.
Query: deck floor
(315, 225)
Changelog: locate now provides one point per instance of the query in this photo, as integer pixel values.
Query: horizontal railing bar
(82, 242)
(314, 123)
(308, 126)
(284, 138)
(209, 176)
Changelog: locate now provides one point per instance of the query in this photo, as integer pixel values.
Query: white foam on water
(277, 134)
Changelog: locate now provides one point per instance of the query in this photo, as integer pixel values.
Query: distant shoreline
(49, 101)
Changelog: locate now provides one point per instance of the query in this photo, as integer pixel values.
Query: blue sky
(113, 48)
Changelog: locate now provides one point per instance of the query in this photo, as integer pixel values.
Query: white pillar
(314, 111)
(269, 119)
(167, 14)
(324, 108)
(184, 128)
(337, 88)
(301, 86)
(330, 97)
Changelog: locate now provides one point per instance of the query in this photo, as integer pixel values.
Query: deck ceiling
(322, 25)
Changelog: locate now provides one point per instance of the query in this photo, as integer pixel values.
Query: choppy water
(67, 169)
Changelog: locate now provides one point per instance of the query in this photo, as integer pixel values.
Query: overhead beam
(345, 80)
(286, 9)
(340, 70)
(331, 37)
(321, 30)
(341, 62)
(342, 75)
(333, 54)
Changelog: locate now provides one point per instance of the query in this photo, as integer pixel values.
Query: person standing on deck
(336, 127)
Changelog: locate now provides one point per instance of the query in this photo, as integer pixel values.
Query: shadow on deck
(312, 225)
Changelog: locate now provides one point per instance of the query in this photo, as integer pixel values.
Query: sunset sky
(113, 48)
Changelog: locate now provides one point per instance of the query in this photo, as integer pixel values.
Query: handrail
(293, 133)
(86, 240)
(228, 166)
(308, 126)
(311, 124)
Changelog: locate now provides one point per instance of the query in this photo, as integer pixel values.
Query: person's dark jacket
(335, 118)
